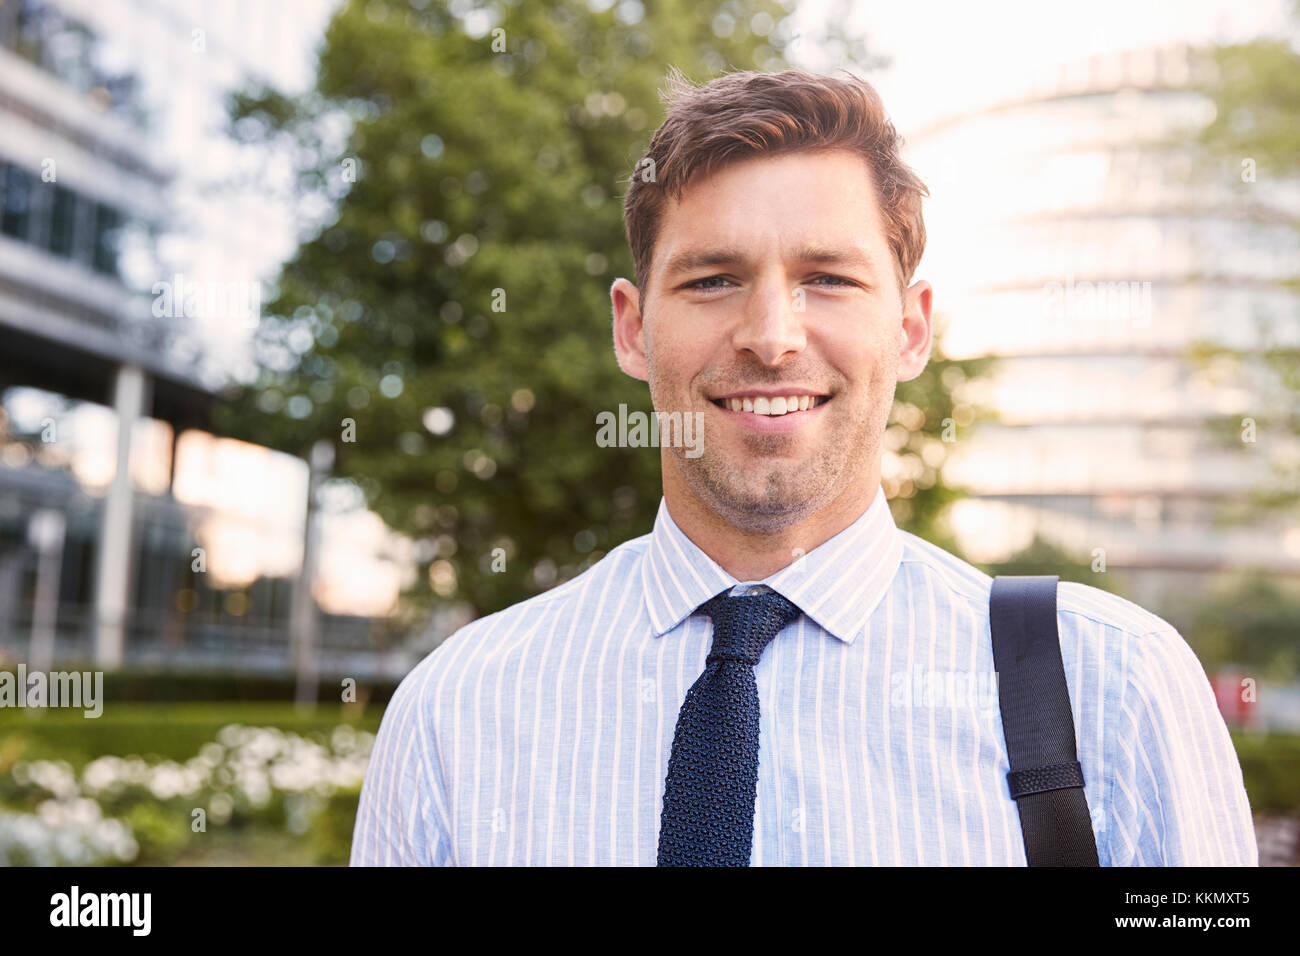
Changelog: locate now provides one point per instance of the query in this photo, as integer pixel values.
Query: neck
(752, 556)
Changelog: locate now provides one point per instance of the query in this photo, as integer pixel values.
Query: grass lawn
(176, 731)
(171, 730)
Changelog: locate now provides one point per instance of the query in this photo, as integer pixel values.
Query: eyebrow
(691, 259)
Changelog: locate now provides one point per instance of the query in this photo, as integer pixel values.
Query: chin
(766, 520)
(760, 508)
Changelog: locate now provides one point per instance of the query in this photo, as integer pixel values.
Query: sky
(948, 56)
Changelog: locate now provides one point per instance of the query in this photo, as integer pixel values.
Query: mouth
(771, 406)
(772, 413)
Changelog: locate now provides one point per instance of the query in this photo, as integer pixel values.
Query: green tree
(1042, 556)
(1253, 142)
(1246, 619)
(929, 416)
(1251, 618)
(445, 321)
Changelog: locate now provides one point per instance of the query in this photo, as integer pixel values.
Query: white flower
(104, 773)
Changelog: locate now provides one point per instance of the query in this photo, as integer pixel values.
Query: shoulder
(1077, 604)
(1145, 654)
(1153, 659)
(1109, 644)
(1086, 603)
(925, 562)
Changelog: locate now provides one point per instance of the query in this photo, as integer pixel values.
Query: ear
(629, 330)
(915, 349)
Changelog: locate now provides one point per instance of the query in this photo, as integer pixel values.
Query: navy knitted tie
(708, 812)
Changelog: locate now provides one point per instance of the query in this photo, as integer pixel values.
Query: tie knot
(745, 624)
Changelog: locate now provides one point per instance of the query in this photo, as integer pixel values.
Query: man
(841, 705)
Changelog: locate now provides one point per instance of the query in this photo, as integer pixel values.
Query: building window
(68, 48)
(63, 221)
(107, 224)
(8, 25)
(41, 34)
(33, 22)
(16, 220)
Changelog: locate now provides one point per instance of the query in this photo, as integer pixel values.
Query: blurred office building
(130, 535)
(1078, 238)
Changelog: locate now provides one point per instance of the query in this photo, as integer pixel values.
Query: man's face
(773, 284)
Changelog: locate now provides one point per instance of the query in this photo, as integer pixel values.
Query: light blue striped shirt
(541, 734)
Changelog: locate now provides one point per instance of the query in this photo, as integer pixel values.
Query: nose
(770, 326)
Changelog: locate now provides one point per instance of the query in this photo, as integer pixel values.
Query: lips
(773, 406)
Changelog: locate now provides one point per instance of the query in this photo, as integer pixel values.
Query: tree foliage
(1255, 138)
(1251, 618)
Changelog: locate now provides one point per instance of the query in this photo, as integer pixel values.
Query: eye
(839, 280)
(697, 284)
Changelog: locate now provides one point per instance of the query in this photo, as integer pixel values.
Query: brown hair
(745, 114)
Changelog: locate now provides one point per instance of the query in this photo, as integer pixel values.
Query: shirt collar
(838, 584)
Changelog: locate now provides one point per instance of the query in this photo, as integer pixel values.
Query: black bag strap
(1046, 780)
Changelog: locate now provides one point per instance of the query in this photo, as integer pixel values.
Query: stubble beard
(758, 492)
(764, 495)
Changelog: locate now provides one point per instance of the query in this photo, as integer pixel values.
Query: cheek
(850, 353)
(668, 371)
(867, 359)
(679, 355)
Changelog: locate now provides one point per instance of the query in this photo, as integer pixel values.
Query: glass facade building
(1077, 234)
(111, 133)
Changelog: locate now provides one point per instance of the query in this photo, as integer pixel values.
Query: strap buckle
(1057, 776)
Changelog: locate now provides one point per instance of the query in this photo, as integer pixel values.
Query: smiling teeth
(772, 406)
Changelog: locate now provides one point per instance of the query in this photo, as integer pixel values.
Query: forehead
(790, 200)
